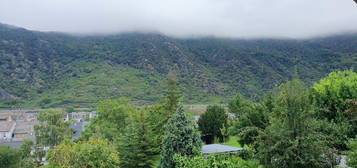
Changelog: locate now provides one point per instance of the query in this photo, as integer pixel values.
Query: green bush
(214, 161)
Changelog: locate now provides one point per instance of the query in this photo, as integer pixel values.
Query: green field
(233, 141)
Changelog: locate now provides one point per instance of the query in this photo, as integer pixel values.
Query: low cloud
(186, 18)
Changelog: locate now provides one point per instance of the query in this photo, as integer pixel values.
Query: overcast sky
(185, 18)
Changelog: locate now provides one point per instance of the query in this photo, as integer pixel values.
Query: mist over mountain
(49, 69)
(186, 18)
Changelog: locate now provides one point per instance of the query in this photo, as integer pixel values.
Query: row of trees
(296, 126)
(132, 137)
(293, 127)
(139, 135)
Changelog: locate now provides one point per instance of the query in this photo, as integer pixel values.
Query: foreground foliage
(214, 161)
(293, 127)
(334, 96)
(352, 153)
(17, 158)
(290, 141)
(94, 153)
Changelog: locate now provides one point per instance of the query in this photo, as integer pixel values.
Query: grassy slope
(86, 82)
(97, 81)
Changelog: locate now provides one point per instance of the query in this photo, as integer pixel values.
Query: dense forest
(294, 126)
(52, 69)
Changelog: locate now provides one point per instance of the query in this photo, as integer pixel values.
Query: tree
(110, 120)
(332, 95)
(336, 134)
(16, 158)
(239, 105)
(216, 161)
(70, 109)
(51, 129)
(172, 95)
(252, 121)
(181, 138)
(8, 157)
(211, 122)
(136, 145)
(25, 149)
(250, 118)
(352, 153)
(290, 141)
(94, 153)
(170, 103)
(249, 135)
(352, 108)
(161, 112)
(26, 160)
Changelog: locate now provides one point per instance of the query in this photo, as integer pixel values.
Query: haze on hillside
(186, 18)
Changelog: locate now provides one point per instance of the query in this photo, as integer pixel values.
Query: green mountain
(49, 69)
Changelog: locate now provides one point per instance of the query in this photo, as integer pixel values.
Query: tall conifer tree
(137, 148)
(181, 138)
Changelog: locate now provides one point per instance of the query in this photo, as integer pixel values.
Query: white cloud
(185, 18)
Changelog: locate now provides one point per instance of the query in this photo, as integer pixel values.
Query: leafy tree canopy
(94, 153)
(239, 105)
(352, 153)
(332, 92)
(290, 141)
(52, 128)
(110, 119)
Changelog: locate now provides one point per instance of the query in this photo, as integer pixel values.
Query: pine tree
(137, 148)
(172, 95)
(239, 105)
(161, 112)
(181, 138)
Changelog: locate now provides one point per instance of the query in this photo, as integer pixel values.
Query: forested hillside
(48, 69)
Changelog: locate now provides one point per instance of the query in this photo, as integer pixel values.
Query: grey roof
(24, 127)
(5, 126)
(218, 148)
